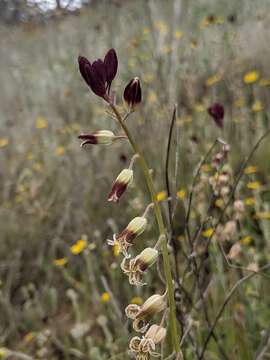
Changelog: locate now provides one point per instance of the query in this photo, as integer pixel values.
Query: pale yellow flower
(199, 108)
(4, 142)
(251, 169)
(254, 185)
(136, 300)
(250, 201)
(213, 80)
(146, 30)
(194, 44)
(116, 249)
(152, 97)
(246, 240)
(257, 106)
(61, 261)
(239, 102)
(181, 194)
(219, 203)
(263, 215)
(251, 77)
(206, 168)
(161, 27)
(264, 82)
(60, 150)
(41, 122)
(178, 34)
(3, 352)
(29, 337)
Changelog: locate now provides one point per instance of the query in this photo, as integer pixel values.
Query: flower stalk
(166, 262)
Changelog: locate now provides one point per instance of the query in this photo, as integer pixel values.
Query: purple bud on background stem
(216, 111)
(132, 93)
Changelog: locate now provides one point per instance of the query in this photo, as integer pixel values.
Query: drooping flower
(141, 314)
(123, 180)
(145, 347)
(133, 94)
(135, 268)
(100, 74)
(216, 111)
(125, 238)
(100, 137)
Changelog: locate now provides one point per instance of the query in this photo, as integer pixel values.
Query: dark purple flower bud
(84, 66)
(97, 78)
(123, 180)
(111, 65)
(133, 94)
(217, 112)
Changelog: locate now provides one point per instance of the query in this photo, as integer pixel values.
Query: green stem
(166, 261)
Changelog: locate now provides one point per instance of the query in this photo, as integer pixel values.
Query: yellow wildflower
(250, 201)
(38, 167)
(246, 240)
(162, 195)
(251, 169)
(251, 77)
(204, 22)
(257, 106)
(4, 142)
(167, 49)
(220, 20)
(60, 150)
(219, 203)
(178, 34)
(60, 262)
(3, 352)
(263, 215)
(193, 44)
(79, 246)
(206, 168)
(116, 249)
(148, 78)
(161, 27)
(208, 232)
(136, 300)
(29, 337)
(199, 107)
(264, 82)
(152, 97)
(213, 80)
(146, 30)
(240, 102)
(181, 194)
(30, 156)
(254, 185)
(105, 297)
(41, 122)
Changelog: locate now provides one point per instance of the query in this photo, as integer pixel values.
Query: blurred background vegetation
(61, 293)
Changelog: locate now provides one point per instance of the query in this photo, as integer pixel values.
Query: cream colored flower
(135, 268)
(141, 314)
